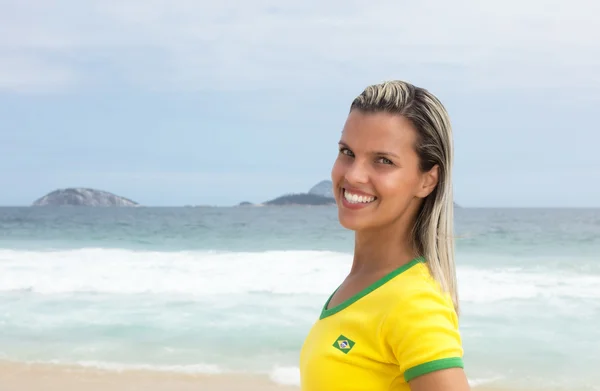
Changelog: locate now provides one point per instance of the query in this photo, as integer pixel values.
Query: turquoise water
(236, 289)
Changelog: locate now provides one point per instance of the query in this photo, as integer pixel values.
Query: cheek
(397, 186)
(337, 171)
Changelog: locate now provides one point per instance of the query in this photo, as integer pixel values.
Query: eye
(384, 160)
(346, 151)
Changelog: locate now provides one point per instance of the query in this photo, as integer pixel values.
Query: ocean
(218, 290)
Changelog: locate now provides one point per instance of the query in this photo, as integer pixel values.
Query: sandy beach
(50, 377)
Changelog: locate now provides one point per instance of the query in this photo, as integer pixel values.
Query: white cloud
(185, 44)
(33, 74)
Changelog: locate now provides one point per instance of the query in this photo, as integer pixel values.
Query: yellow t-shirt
(400, 327)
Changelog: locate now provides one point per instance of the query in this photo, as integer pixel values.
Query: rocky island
(301, 199)
(82, 197)
(319, 194)
(323, 188)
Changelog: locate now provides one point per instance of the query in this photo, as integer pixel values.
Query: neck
(383, 250)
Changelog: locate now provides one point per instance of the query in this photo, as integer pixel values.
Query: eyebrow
(379, 153)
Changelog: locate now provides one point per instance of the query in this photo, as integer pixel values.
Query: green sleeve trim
(431, 366)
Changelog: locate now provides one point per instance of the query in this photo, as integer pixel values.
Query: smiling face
(377, 177)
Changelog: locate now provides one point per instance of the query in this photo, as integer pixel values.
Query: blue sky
(173, 102)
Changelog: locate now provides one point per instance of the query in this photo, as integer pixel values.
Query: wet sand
(49, 377)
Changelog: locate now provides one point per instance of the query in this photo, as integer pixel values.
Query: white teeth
(355, 198)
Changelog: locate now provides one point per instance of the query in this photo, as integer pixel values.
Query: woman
(392, 324)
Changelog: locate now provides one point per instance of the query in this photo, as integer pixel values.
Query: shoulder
(416, 288)
(415, 291)
(421, 329)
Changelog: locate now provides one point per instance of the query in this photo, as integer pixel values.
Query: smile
(358, 199)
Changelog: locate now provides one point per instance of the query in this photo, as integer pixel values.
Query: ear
(429, 181)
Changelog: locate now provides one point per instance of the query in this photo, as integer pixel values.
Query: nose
(356, 173)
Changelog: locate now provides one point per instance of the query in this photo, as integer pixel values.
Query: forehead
(378, 131)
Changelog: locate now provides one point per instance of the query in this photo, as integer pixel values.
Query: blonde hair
(433, 232)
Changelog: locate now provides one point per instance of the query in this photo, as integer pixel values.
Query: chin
(351, 225)
(354, 220)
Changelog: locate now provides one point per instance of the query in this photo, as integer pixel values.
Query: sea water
(216, 290)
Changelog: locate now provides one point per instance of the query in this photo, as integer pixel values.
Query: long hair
(433, 232)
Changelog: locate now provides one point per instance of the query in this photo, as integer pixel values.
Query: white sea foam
(208, 369)
(119, 367)
(289, 376)
(484, 381)
(116, 271)
(489, 285)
